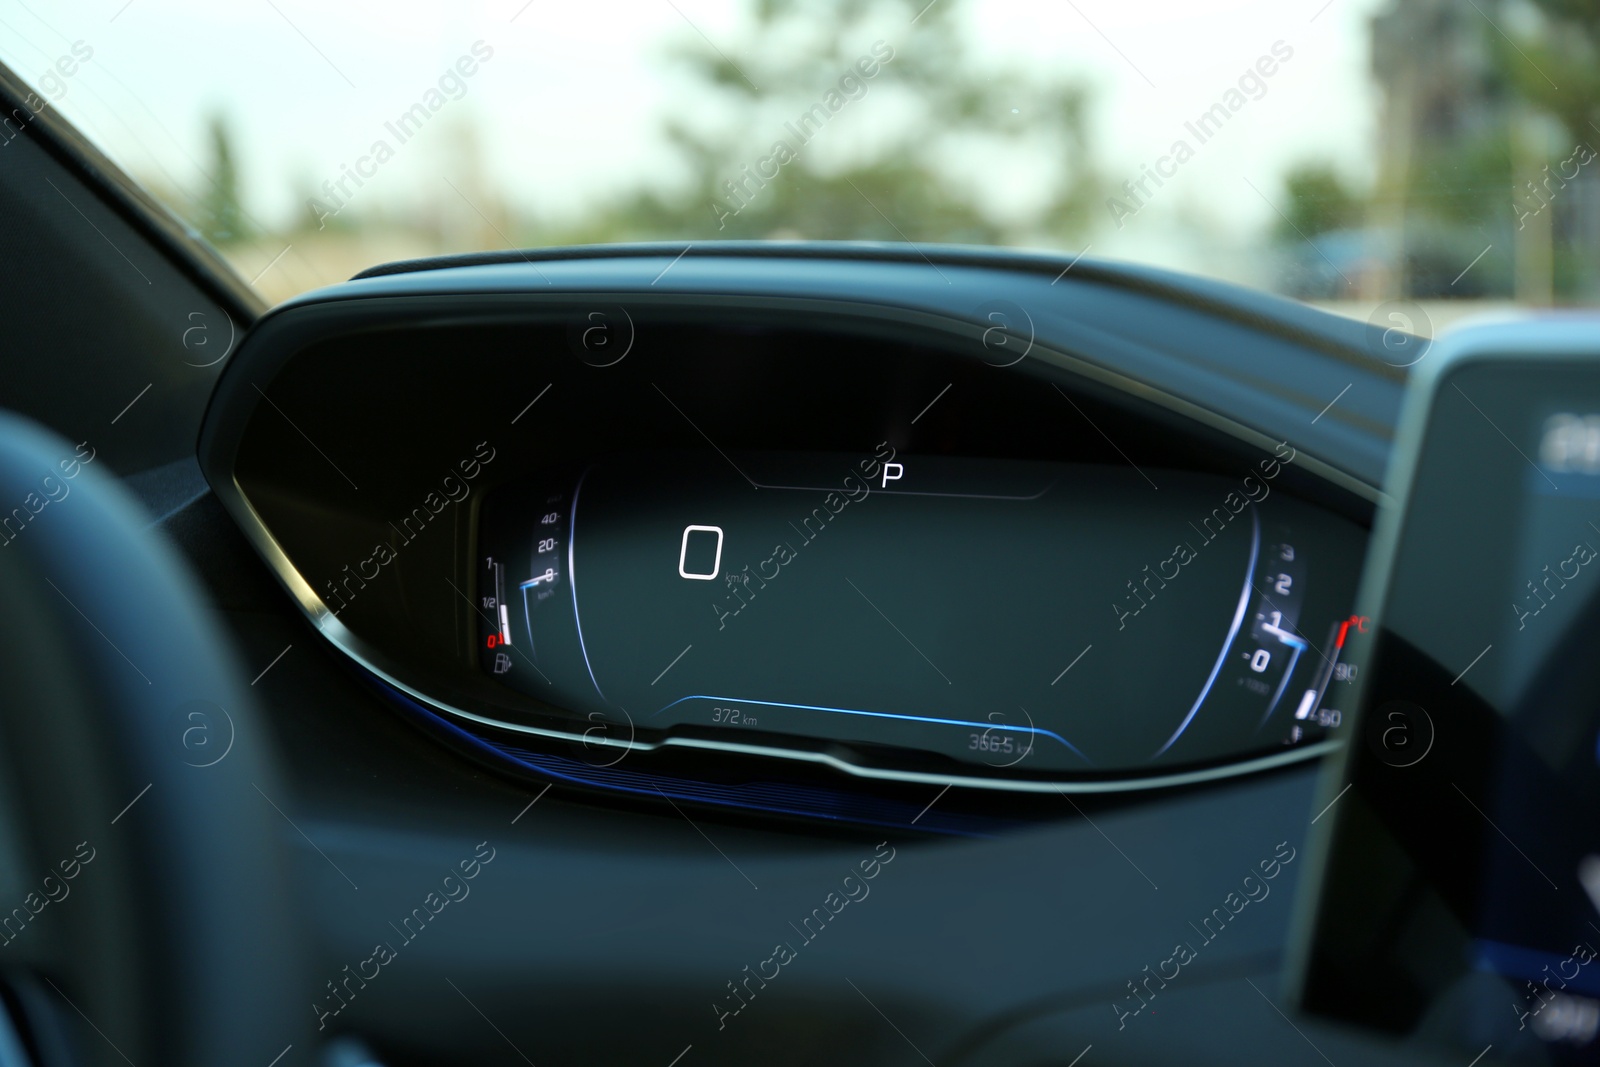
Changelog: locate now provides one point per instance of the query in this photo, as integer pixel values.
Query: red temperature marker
(1344, 628)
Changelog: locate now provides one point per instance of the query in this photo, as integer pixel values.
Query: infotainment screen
(1461, 833)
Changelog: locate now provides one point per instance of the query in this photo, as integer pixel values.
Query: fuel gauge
(520, 579)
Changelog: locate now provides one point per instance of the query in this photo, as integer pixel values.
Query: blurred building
(1438, 74)
(1462, 159)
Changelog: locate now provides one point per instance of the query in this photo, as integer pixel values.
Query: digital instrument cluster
(1013, 618)
(807, 532)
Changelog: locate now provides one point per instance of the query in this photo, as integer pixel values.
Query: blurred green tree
(222, 217)
(1318, 201)
(887, 157)
(1553, 65)
(1556, 66)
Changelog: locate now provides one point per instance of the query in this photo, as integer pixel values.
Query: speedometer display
(923, 612)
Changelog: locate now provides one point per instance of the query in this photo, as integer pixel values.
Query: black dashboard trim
(307, 316)
(1259, 311)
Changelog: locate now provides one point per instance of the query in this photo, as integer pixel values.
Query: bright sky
(571, 100)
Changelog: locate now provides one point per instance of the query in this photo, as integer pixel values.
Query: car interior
(518, 652)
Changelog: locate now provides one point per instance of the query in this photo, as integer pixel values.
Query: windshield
(1351, 153)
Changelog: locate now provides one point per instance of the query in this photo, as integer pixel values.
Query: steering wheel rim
(134, 751)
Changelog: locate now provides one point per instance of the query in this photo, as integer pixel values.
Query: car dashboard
(701, 581)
